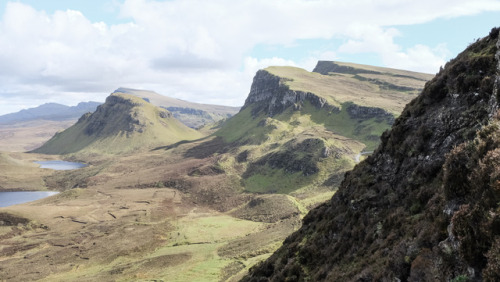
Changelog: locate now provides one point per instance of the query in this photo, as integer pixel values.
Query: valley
(161, 200)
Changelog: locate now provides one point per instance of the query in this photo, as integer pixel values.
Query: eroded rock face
(424, 205)
(360, 112)
(326, 67)
(273, 96)
(116, 115)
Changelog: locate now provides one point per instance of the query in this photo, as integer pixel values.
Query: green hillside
(300, 131)
(124, 123)
(368, 86)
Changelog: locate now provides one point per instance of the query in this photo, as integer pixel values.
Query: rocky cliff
(270, 94)
(424, 206)
(300, 131)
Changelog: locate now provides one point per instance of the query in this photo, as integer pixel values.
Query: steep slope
(124, 123)
(301, 130)
(424, 206)
(50, 111)
(191, 114)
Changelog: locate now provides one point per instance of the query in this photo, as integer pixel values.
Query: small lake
(60, 165)
(14, 198)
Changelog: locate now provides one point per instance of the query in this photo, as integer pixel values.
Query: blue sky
(208, 51)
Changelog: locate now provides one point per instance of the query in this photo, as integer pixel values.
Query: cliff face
(299, 129)
(270, 94)
(117, 115)
(424, 206)
(326, 67)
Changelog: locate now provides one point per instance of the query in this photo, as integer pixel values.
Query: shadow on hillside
(175, 145)
(208, 148)
(201, 151)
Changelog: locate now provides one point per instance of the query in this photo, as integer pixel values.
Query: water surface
(14, 198)
(60, 165)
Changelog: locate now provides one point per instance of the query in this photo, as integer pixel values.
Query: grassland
(340, 88)
(126, 223)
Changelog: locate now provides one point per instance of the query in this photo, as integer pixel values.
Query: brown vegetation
(424, 205)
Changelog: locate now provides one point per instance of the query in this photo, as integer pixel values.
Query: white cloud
(252, 65)
(198, 50)
(366, 39)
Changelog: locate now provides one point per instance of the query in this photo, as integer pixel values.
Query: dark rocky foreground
(424, 206)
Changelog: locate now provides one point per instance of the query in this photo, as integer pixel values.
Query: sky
(208, 51)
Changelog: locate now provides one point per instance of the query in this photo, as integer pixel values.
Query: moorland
(161, 200)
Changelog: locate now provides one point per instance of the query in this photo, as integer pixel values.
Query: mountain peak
(123, 123)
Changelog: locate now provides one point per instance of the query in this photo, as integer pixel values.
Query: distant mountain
(425, 205)
(191, 114)
(124, 123)
(50, 111)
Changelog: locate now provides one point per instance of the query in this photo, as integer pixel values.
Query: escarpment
(424, 206)
(297, 128)
(270, 94)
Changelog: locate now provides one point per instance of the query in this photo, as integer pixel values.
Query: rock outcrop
(270, 94)
(360, 112)
(327, 67)
(424, 206)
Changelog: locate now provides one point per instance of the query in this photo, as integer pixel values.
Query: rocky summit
(424, 206)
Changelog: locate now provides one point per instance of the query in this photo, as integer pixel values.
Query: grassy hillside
(310, 142)
(124, 123)
(363, 89)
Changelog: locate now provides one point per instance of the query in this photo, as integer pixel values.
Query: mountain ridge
(423, 207)
(192, 114)
(50, 111)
